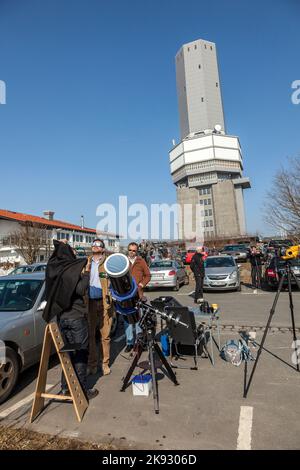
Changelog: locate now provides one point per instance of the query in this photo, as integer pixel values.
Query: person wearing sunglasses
(100, 308)
(141, 273)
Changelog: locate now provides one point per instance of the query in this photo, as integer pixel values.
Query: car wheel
(114, 326)
(186, 280)
(176, 288)
(9, 374)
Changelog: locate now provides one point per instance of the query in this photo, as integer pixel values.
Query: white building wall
(10, 254)
(202, 148)
(7, 227)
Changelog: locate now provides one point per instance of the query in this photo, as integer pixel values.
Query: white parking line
(255, 293)
(20, 403)
(245, 428)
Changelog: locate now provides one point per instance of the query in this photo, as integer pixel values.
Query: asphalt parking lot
(207, 410)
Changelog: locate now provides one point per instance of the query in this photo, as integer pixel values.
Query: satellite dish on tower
(218, 128)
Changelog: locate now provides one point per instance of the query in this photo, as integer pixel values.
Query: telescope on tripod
(124, 292)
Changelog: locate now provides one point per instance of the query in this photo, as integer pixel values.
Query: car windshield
(280, 243)
(234, 247)
(219, 262)
(42, 267)
(18, 295)
(22, 270)
(293, 262)
(161, 264)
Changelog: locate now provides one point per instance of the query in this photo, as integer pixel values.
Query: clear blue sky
(91, 97)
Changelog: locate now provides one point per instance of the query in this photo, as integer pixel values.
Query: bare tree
(283, 200)
(29, 240)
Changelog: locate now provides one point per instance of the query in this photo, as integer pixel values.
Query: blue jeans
(130, 329)
(76, 331)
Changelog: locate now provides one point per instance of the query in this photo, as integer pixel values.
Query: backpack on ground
(235, 351)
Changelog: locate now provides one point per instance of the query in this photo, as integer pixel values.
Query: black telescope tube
(117, 269)
(121, 285)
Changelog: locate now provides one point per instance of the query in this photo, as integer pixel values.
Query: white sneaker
(199, 301)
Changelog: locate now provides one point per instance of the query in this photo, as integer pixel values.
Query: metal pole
(292, 309)
(272, 311)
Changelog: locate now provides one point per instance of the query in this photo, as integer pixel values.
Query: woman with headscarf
(66, 287)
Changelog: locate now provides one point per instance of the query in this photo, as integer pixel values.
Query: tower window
(211, 48)
(217, 84)
(195, 47)
(188, 49)
(199, 66)
(202, 99)
(205, 46)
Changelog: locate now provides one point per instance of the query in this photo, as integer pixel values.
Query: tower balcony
(206, 153)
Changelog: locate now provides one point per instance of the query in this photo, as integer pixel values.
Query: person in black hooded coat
(66, 286)
(197, 266)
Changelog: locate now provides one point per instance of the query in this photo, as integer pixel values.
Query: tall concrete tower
(198, 87)
(207, 164)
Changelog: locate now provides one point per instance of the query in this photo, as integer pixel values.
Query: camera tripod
(287, 275)
(146, 340)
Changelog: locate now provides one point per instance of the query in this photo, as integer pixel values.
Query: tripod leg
(132, 367)
(272, 311)
(292, 311)
(154, 379)
(164, 361)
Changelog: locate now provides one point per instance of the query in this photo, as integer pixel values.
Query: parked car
(221, 273)
(275, 268)
(273, 245)
(167, 273)
(29, 268)
(189, 254)
(239, 252)
(21, 326)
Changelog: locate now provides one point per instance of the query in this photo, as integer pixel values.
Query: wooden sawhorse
(80, 402)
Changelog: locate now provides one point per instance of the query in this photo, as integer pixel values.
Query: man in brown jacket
(140, 272)
(100, 308)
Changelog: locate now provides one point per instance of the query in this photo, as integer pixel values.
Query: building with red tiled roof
(79, 236)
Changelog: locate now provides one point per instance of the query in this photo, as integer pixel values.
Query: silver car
(167, 273)
(29, 268)
(21, 326)
(221, 273)
(239, 252)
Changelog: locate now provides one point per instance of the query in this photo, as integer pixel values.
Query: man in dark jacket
(65, 291)
(197, 266)
(256, 260)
